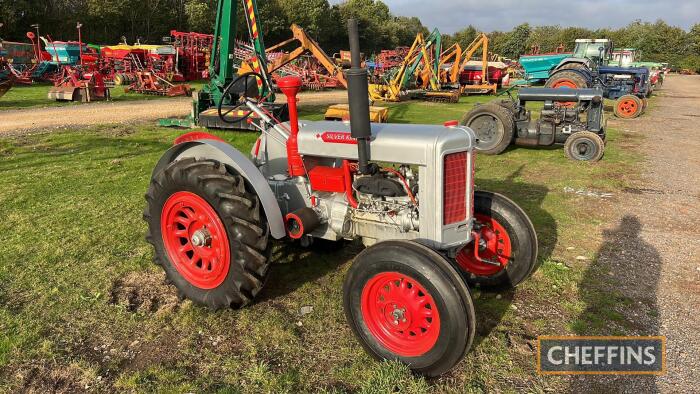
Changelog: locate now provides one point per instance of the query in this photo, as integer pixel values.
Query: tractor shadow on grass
(619, 289)
(490, 309)
(294, 265)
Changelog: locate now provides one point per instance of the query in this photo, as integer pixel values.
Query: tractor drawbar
(358, 98)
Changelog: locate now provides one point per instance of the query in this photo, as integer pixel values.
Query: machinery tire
(645, 104)
(494, 127)
(406, 302)
(508, 237)
(628, 106)
(119, 79)
(571, 66)
(584, 146)
(566, 79)
(192, 197)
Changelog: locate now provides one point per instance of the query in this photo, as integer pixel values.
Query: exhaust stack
(358, 99)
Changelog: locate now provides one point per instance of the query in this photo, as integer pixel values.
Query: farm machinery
(6, 76)
(78, 77)
(588, 67)
(406, 191)
(418, 75)
(580, 127)
(194, 53)
(459, 69)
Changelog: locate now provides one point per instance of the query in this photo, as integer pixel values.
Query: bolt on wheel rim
(627, 108)
(584, 149)
(195, 240)
(400, 314)
(488, 130)
(495, 246)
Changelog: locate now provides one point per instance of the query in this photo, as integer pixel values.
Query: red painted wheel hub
(565, 83)
(627, 108)
(494, 246)
(195, 239)
(400, 314)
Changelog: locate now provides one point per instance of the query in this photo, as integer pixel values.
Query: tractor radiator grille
(455, 188)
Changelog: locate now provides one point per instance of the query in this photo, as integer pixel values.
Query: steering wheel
(234, 94)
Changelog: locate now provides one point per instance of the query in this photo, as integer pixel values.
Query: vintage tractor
(406, 191)
(501, 123)
(588, 68)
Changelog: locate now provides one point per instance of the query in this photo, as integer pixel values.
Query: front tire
(629, 106)
(494, 127)
(508, 241)
(208, 232)
(584, 146)
(405, 302)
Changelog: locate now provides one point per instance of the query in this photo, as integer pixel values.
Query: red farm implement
(77, 84)
(150, 83)
(194, 54)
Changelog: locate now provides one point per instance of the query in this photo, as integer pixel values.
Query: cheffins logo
(601, 355)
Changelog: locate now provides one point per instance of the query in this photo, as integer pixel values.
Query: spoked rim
(627, 108)
(195, 240)
(494, 246)
(400, 314)
(489, 130)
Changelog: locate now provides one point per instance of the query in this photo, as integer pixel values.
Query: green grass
(35, 96)
(81, 304)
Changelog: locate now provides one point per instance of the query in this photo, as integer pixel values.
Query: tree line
(107, 21)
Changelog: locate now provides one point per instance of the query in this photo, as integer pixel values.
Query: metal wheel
(628, 107)
(584, 146)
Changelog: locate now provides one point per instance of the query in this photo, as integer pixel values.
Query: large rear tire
(567, 79)
(405, 302)
(508, 242)
(208, 232)
(494, 127)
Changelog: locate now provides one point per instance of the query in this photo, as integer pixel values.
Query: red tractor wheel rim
(627, 108)
(400, 314)
(494, 246)
(195, 239)
(564, 83)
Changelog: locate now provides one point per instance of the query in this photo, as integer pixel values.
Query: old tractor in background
(580, 127)
(588, 68)
(405, 191)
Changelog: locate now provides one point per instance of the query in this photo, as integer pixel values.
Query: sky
(452, 15)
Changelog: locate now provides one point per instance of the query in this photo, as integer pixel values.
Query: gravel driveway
(652, 248)
(14, 121)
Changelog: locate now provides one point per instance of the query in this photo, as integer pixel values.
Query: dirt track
(123, 112)
(651, 251)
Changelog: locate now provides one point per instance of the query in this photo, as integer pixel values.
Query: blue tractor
(588, 68)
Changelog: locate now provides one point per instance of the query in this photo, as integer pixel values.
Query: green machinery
(217, 105)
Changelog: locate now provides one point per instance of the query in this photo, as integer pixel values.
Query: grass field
(82, 306)
(34, 96)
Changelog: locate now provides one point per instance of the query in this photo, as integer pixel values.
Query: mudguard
(216, 149)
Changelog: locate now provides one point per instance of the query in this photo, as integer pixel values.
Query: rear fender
(223, 152)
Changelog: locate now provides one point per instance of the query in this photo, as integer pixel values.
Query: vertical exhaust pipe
(358, 99)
